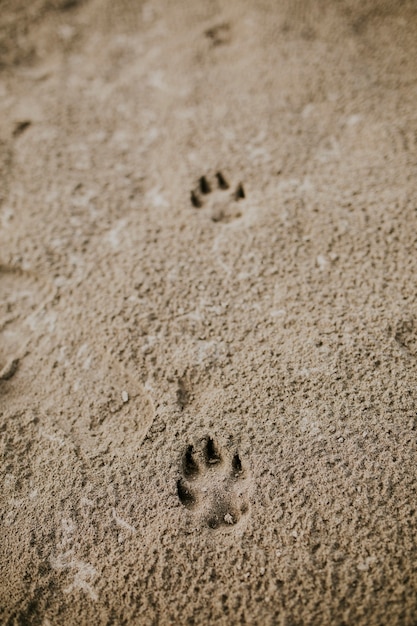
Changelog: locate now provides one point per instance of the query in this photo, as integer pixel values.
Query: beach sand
(208, 318)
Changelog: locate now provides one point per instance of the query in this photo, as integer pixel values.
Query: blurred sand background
(208, 319)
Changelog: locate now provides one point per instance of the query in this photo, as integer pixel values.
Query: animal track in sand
(211, 193)
(219, 35)
(23, 298)
(213, 485)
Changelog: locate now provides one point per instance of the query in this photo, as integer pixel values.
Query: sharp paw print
(221, 206)
(213, 485)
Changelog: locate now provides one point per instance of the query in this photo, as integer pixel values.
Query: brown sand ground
(208, 407)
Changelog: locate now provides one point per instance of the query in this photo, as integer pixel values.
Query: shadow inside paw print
(222, 206)
(213, 485)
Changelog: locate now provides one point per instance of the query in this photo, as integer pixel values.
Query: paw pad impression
(223, 206)
(213, 485)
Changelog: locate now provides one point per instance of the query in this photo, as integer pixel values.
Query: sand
(208, 319)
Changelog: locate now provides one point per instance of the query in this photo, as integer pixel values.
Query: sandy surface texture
(208, 319)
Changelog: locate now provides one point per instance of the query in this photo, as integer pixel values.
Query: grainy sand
(208, 318)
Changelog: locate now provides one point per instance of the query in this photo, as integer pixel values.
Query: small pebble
(125, 396)
(321, 261)
(228, 518)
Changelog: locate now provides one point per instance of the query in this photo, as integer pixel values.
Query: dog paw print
(213, 485)
(219, 35)
(211, 193)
